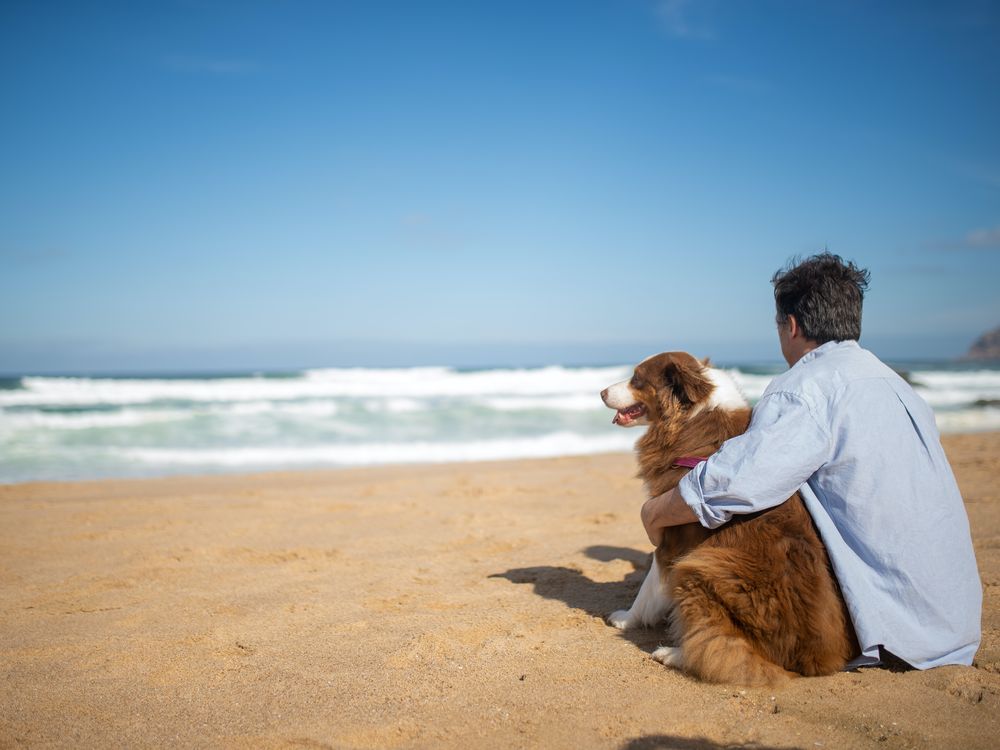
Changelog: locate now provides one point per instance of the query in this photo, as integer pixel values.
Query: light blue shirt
(864, 452)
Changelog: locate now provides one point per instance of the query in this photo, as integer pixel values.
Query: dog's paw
(623, 620)
(669, 656)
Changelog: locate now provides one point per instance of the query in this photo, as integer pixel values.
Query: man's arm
(784, 446)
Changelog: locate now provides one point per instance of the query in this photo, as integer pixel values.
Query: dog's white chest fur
(726, 394)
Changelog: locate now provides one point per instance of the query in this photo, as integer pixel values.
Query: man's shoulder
(827, 370)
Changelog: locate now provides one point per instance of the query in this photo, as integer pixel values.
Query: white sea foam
(943, 388)
(586, 402)
(61, 428)
(397, 405)
(421, 382)
(240, 408)
(137, 417)
(439, 381)
(88, 420)
(364, 454)
(968, 420)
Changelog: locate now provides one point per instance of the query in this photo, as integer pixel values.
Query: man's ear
(687, 382)
(794, 329)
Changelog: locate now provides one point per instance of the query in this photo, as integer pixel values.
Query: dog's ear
(687, 381)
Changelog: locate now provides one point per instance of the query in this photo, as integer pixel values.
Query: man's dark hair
(824, 293)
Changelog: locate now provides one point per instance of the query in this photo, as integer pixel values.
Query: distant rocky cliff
(986, 346)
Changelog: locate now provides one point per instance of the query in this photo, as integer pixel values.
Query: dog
(753, 602)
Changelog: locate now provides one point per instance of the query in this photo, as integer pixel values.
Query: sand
(451, 606)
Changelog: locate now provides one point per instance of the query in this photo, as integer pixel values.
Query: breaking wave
(89, 427)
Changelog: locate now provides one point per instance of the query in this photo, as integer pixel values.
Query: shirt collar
(829, 346)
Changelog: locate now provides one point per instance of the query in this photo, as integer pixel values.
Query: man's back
(880, 490)
(889, 510)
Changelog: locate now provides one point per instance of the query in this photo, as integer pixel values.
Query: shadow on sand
(669, 742)
(601, 599)
(595, 598)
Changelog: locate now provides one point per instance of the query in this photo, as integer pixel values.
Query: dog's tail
(716, 656)
(714, 643)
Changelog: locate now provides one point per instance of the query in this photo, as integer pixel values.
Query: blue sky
(198, 185)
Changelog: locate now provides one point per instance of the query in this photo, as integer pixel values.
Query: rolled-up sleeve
(784, 446)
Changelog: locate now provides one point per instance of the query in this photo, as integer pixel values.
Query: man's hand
(662, 511)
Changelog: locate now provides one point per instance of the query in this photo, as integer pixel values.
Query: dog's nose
(604, 395)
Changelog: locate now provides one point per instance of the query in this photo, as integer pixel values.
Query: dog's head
(668, 385)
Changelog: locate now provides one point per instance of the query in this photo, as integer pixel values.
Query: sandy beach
(450, 606)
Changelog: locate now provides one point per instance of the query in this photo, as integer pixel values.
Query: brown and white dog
(753, 602)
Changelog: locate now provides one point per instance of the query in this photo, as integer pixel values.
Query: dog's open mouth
(629, 414)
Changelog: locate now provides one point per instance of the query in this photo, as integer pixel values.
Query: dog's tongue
(624, 416)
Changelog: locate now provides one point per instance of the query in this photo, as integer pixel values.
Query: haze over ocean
(304, 188)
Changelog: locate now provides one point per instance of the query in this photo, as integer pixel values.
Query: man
(864, 452)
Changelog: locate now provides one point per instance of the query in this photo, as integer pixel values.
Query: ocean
(68, 428)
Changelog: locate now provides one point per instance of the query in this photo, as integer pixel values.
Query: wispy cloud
(984, 238)
(210, 66)
(679, 18)
(976, 239)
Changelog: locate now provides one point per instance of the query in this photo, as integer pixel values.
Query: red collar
(689, 462)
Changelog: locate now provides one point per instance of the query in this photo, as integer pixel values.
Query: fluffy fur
(753, 602)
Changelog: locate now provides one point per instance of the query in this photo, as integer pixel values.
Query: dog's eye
(635, 382)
